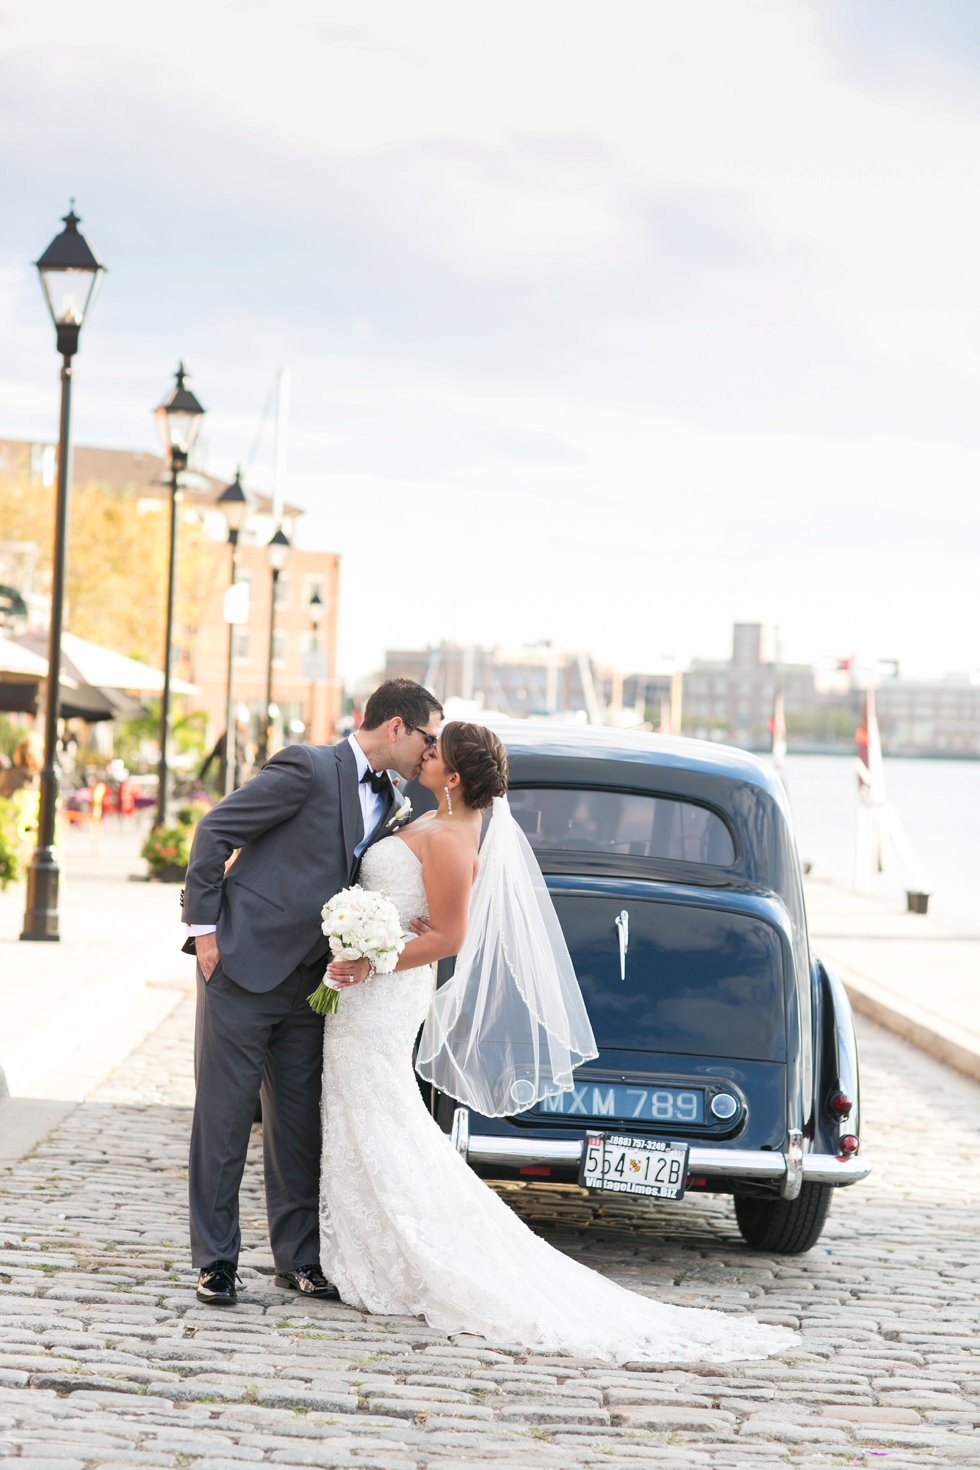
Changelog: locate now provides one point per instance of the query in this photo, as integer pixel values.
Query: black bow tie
(377, 780)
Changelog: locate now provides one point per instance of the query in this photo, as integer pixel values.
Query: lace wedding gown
(406, 1227)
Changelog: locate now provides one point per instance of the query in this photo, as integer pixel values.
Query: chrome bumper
(728, 1163)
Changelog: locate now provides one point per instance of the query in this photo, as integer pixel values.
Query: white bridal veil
(510, 1026)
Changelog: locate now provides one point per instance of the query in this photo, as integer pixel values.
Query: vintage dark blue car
(675, 874)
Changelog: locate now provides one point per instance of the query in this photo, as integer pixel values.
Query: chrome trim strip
(461, 1131)
(825, 1169)
(485, 1148)
(746, 1163)
(793, 1177)
(847, 1053)
(623, 929)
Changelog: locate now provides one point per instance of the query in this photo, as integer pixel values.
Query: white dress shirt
(372, 807)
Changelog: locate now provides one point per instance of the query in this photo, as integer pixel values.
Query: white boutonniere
(402, 815)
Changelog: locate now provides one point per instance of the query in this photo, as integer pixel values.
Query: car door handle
(623, 928)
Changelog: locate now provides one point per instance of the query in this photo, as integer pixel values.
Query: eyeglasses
(430, 740)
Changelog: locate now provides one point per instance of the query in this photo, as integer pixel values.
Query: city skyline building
(539, 680)
(731, 700)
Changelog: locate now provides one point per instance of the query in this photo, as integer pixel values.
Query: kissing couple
(368, 1200)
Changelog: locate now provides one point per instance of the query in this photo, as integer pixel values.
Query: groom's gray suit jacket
(296, 823)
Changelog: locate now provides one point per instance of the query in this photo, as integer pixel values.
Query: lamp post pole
(316, 611)
(277, 553)
(266, 737)
(41, 910)
(162, 772)
(179, 420)
(234, 504)
(231, 728)
(69, 271)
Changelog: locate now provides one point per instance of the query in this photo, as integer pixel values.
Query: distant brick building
(733, 700)
(306, 690)
(314, 702)
(934, 717)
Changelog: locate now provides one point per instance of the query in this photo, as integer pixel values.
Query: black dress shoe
(216, 1284)
(309, 1280)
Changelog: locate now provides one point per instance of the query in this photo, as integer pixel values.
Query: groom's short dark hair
(401, 698)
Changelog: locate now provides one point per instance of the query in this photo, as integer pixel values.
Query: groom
(301, 826)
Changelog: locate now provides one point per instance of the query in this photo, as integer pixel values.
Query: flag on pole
(777, 728)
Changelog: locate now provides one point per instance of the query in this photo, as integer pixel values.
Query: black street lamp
(277, 553)
(233, 503)
(178, 420)
(70, 274)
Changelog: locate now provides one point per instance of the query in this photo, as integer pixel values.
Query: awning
(15, 659)
(76, 701)
(18, 696)
(108, 670)
(89, 663)
(86, 703)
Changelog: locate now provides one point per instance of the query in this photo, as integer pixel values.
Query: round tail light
(841, 1104)
(724, 1106)
(847, 1146)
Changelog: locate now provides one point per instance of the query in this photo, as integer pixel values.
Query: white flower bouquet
(360, 924)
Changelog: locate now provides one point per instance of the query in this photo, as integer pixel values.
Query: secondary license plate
(626, 1165)
(627, 1100)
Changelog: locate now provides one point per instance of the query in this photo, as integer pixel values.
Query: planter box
(169, 873)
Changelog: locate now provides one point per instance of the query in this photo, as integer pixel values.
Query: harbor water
(938, 802)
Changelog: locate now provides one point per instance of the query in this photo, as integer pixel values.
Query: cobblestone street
(107, 1359)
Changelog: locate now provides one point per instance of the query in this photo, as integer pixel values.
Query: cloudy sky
(607, 323)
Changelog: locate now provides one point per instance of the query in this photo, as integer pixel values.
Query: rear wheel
(784, 1226)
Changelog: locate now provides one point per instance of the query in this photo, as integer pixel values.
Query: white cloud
(635, 318)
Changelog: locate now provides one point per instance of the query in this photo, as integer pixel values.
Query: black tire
(784, 1226)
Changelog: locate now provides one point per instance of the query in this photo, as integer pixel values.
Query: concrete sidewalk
(71, 1011)
(915, 974)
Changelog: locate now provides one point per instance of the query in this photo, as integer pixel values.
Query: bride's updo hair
(478, 758)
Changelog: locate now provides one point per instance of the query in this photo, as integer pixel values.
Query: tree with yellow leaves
(117, 566)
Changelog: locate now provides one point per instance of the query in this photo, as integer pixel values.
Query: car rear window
(624, 823)
(699, 981)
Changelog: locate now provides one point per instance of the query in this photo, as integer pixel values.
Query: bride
(406, 1227)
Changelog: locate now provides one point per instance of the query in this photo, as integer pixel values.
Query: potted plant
(10, 857)
(167, 851)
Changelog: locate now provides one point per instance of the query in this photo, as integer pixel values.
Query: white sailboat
(881, 837)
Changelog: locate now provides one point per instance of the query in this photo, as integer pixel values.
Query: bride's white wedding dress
(406, 1227)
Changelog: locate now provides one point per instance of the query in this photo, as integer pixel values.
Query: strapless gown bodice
(392, 866)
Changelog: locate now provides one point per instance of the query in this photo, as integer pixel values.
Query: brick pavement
(107, 1359)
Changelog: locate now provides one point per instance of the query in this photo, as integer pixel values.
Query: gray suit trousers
(246, 1042)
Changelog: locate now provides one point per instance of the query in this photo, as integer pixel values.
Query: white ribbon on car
(510, 1027)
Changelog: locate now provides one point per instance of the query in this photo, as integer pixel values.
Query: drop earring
(449, 799)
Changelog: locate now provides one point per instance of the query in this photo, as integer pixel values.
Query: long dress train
(406, 1227)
